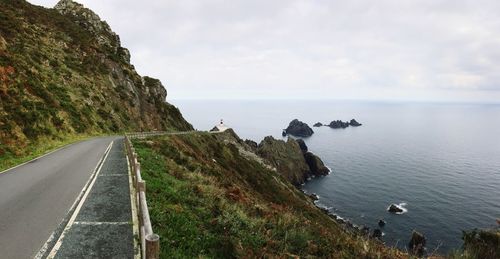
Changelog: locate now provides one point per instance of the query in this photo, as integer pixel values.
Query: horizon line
(338, 100)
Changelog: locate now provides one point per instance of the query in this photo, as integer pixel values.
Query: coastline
(347, 224)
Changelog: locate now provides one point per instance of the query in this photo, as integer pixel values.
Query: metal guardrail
(150, 242)
(146, 134)
(142, 135)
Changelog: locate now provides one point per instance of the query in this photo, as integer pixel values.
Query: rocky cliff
(286, 156)
(64, 71)
(291, 158)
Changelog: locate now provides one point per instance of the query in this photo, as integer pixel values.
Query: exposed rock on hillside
(316, 166)
(252, 144)
(64, 71)
(286, 157)
(417, 244)
(299, 129)
(91, 22)
(302, 145)
(291, 159)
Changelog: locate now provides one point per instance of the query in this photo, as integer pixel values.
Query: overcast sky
(427, 50)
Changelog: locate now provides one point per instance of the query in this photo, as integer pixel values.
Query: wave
(322, 206)
(400, 206)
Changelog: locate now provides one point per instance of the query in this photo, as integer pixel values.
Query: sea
(439, 161)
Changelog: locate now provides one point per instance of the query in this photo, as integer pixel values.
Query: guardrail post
(134, 160)
(152, 246)
(141, 186)
(150, 242)
(138, 177)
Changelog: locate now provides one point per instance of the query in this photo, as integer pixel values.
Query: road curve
(36, 197)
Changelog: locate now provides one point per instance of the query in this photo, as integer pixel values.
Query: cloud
(388, 49)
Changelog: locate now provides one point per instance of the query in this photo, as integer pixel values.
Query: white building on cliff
(219, 127)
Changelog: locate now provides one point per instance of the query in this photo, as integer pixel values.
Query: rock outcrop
(381, 223)
(291, 159)
(252, 144)
(416, 246)
(299, 129)
(302, 145)
(286, 157)
(91, 22)
(318, 124)
(354, 123)
(395, 209)
(338, 124)
(316, 166)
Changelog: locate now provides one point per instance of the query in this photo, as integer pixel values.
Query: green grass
(180, 210)
(44, 146)
(208, 201)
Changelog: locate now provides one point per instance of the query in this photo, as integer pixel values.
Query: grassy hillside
(206, 199)
(480, 244)
(63, 73)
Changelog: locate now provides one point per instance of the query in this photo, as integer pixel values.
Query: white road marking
(100, 223)
(58, 244)
(44, 248)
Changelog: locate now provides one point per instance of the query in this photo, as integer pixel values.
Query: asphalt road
(36, 197)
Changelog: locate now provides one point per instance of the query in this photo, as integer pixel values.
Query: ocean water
(441, 160)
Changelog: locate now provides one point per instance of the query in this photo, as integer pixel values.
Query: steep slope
(209, 199)
(64, 71)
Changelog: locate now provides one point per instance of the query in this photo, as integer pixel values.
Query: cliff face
(286, 157)
(63, 70)
(291, 158)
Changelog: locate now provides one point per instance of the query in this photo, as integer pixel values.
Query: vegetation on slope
(64, 73)
(208, 200)
(480, 244)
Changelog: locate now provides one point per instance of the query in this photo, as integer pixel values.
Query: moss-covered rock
(286, 156)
